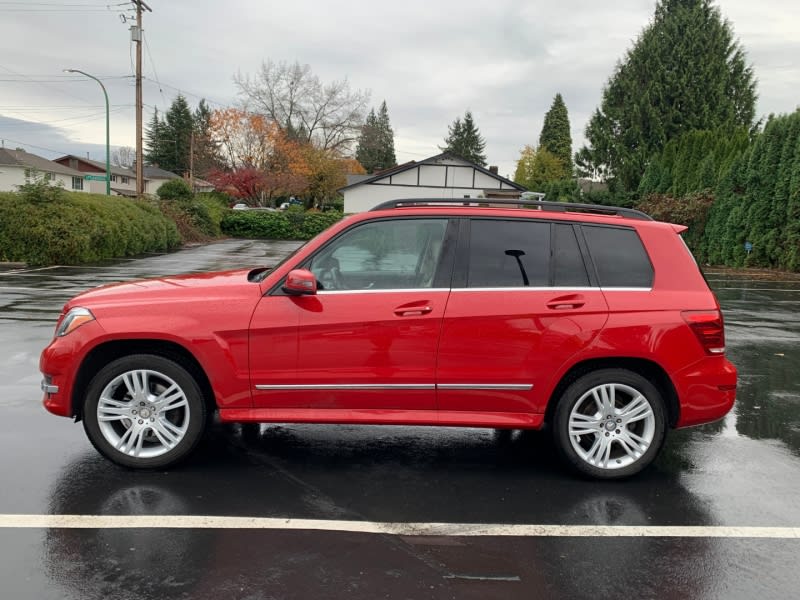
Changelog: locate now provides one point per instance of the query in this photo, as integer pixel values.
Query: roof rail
(594, 209)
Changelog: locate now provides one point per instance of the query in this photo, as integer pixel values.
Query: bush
(175, 189)
(38, 188)
(691, 211)
(80, 228)
(285, 225)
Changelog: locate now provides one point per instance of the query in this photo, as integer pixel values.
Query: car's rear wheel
(144, 411)
(610, 423)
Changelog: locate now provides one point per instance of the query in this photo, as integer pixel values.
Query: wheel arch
(648, 369)
(107, 352)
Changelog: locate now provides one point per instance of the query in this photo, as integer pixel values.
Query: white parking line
(407, 529)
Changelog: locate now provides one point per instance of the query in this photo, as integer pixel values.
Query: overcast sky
(430, 60)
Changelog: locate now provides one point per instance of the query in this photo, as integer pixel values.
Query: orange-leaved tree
(253, 145)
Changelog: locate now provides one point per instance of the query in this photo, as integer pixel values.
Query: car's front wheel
(610, 423)
(144, 411)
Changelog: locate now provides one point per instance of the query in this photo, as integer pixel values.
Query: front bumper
(59, 364)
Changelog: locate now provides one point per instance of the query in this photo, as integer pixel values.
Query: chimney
(493, 169)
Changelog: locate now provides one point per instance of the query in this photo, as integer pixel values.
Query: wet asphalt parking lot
(397, 512)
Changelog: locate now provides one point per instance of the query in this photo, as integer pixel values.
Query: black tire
(189, 418)
(626, 455)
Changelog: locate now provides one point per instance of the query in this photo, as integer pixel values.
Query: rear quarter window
(619, 257)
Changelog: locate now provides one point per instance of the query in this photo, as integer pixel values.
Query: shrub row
(286, 225)
(79, 228)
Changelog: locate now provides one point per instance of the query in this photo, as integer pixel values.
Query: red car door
(521, 305)
(368, 338)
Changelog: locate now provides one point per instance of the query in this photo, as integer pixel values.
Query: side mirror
(300, 282)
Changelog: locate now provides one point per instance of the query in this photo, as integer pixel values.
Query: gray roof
(152, 172)
(20, 158)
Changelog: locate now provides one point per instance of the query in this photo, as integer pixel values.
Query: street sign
(748, 247)
(95, 178)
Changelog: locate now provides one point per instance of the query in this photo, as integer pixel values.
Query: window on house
(114, 179)
(125, 180)
(77, 183)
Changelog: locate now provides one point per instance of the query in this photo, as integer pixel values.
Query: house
(17, 167)
(123, 180)
(442, 176)
(201, 185)
(155, 177)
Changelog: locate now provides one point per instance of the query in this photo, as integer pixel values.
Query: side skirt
(382, 417)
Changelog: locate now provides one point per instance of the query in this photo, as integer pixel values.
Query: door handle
(412, 311)
(566, 302)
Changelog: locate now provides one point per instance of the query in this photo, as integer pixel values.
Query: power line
(44, 85)
(5, 139)
(153, 66)
(78, 118)
(97, 4)
(185, 92)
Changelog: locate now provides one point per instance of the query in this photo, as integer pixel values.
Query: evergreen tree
(758, 201)
(155, 146)
(375, 150)
(464, 140)
(386, 133)
(693, 162)
(555, 136)
(368, 149)
(179, 125)
(169, 139)
(686, 71)
(206, 150)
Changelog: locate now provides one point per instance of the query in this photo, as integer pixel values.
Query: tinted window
(508, 254)
(619, 257)
(385, 255)
(568, 266)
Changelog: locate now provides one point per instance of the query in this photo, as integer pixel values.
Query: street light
(108, 146)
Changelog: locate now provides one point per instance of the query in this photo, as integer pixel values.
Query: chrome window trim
(530, 288)
(381, 291)
(553, 289)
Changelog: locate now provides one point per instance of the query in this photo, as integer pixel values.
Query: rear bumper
(706, 390)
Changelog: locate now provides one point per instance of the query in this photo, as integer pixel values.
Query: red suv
(594, 321)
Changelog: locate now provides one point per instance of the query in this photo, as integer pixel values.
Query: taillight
(709, 328)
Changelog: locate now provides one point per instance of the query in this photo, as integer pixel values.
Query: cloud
(430, 60)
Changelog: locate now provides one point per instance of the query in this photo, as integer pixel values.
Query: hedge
(273, 225)
(77, 228)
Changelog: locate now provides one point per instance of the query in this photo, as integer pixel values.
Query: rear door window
(619, 257)
(569, 269)
(508, 254)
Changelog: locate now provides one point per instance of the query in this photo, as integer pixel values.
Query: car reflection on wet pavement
(742, 471)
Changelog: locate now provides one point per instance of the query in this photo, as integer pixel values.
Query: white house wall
(11, 177)
(367, 196)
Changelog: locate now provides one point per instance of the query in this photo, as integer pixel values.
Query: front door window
(384, 255)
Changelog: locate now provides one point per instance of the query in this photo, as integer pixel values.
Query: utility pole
(136, 36)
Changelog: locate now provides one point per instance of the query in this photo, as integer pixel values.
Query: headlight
(74, 319)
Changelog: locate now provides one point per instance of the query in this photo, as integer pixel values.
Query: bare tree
(123, 157)
(328, 115)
